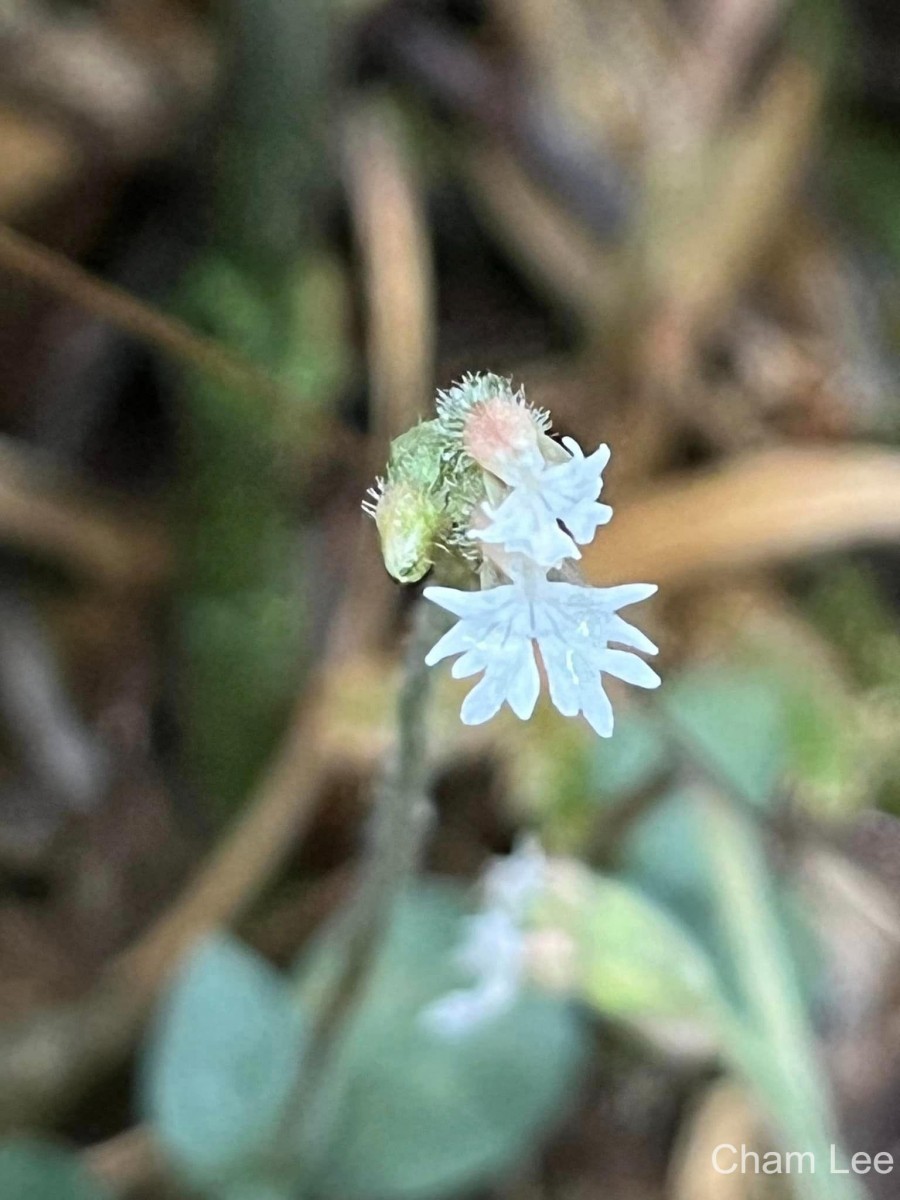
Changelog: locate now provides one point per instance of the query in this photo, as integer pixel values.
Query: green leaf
(410, 1114)
(826, 750)
(624, 764)
(33, 1170)
(221, 1062)
(257, 1189)
(864, 169)
(667, 855)
(634, 961)
(736, 722)
(781, 723)
(780, 1058)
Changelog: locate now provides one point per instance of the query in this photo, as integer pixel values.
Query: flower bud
(495, 425)
(425, 505)
(502, 438)
(408, 521)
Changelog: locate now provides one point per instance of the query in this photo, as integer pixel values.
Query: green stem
(400, 821)
(778, 1056)
(403, 807)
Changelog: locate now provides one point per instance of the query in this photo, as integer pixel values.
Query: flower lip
(551, 506)
(571, 626)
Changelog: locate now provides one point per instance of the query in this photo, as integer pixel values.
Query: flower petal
(596, 461)
(619, 630)
(468, 604)
(630, 668)
(470, 663)
(485, 699)
(598, 711)
(523, 524)
(571, 625)
(624, 594)
(525, 686)
(562, 678)
(583, 520)
(454, 641)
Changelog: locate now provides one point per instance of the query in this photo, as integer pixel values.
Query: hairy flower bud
(425, 505)
(502, 437)
(408, 518)
(495, 425)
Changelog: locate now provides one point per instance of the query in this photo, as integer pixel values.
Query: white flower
(512, 882)
(572, 627)
(493, 948)
(544, 494)
(493, 951)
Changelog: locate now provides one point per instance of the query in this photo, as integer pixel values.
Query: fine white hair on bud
(478, 392)
(375, 495)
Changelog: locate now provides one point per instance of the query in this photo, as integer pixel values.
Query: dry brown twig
(388, 210)
(549, 245)
(35, 159)
(771, 507)
(127, 1162)
(729, 34)
(716, 215)
(266, 831)
(25, 257)
(108, 90)
(47, 515)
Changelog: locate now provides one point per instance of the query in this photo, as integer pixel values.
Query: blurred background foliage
(241, 244)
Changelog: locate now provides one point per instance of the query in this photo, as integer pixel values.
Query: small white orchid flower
(544, 494)
(484, 487)
(572, 627)
(494, 946)
(493, 952)
(513, 881)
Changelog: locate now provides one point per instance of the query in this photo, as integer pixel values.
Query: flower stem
(400, 821)
(403, 808)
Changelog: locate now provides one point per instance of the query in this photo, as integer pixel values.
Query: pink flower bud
(502, 436)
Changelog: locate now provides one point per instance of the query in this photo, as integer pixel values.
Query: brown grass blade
(770, 507)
